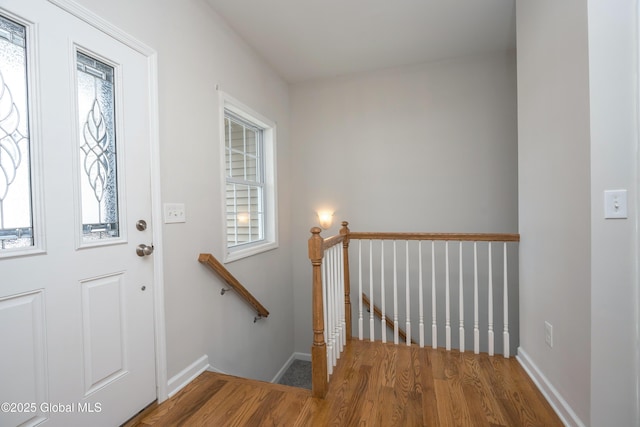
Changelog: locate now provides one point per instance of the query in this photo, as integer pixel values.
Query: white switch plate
(615, 204)
(174, 212)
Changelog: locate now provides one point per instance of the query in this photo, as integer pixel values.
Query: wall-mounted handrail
(215, 265)
(387, 319)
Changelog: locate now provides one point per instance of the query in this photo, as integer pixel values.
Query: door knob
(144, 250)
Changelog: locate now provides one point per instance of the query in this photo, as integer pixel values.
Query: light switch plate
(615, 204)
(174, 213)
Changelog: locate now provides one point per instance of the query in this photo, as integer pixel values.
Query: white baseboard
(212, 368)
(188, 374)
(302, 356)
(294, 356)
(555, 399)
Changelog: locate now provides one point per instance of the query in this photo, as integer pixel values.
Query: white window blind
(244, 181)
(248, 154)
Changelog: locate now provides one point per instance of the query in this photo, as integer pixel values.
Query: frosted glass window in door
(98, 154)
(16, 225)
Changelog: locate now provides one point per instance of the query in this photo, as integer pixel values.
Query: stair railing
(331, 280)
(449, 285)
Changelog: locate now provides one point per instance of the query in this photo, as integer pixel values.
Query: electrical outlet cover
(548, 334)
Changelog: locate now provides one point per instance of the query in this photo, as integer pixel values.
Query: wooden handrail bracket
(215, 265)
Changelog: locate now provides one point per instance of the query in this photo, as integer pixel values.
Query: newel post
(347, 284)
(319, 381)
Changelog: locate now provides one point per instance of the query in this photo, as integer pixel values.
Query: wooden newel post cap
(315, 246)
(345, 232)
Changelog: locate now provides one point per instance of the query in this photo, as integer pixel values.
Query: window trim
(270, 240)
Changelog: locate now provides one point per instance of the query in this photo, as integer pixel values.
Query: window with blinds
(248, 153)
(244, 181)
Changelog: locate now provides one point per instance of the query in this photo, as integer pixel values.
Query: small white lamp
(325, 218)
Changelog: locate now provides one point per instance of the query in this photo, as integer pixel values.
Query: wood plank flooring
(374, 384)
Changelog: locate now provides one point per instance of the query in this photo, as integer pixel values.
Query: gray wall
(613, 82)
(196, 51)
(554, 192)
(577, 91)
(422, 148)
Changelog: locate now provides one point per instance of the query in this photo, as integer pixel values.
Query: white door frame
(102, 25)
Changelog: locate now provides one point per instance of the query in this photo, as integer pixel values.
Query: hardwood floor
(374, 384)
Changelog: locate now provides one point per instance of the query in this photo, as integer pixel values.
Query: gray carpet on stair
(298, 375)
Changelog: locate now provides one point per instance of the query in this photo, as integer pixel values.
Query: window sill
(234, 254)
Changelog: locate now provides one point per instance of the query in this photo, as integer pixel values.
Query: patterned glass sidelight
(98, 155)
(16, 224)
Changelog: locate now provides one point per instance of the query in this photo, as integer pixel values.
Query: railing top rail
(332, 241)
(470, 237)
(225, 275)
(346, 234)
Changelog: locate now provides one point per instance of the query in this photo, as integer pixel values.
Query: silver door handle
(144, 250)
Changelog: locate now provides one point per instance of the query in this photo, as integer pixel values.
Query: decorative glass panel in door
(98, 154)
(16, 225)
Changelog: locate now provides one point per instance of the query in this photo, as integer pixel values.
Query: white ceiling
(311, 39)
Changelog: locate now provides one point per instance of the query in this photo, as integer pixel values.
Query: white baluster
(476, 323)
(395, 296)
(372, 319)
(383, 323)
(332, 308)
(327, 323)
(434, 321)
(336, 302)
(420, 295)
(505, 333)
(407, 294)
(360, 320)
(490, 333)
(447, 324)
(461, 303)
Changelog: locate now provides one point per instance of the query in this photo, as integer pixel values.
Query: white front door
(76, 292)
